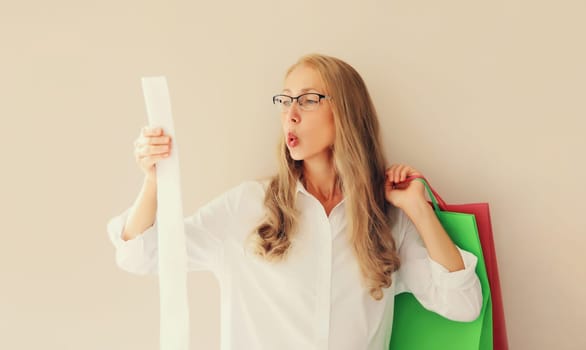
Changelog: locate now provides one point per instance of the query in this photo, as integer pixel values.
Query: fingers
(151, 146)
(150, 131)
(142, 151)
(152, 141)
(397, 173)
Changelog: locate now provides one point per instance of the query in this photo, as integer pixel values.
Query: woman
(313, 257)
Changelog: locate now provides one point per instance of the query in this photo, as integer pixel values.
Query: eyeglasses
(307, 102)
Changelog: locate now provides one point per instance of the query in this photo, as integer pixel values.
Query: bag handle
(436, 200)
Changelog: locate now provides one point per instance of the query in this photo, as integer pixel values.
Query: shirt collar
(301, 188)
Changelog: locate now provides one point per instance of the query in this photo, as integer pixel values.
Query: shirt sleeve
(205, 231)
(454, 295)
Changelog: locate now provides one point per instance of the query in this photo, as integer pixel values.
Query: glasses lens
(309, 102)
(282, 101)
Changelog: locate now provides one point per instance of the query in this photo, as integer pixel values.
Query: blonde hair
(360, 166)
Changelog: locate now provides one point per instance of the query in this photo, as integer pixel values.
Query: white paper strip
(174, 310)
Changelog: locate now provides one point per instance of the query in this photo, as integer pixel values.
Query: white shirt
(314, 299)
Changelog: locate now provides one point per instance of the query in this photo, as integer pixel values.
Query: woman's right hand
(151, 146)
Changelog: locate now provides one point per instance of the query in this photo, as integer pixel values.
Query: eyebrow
(302, 90)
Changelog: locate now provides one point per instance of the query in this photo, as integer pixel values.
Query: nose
(292, 114)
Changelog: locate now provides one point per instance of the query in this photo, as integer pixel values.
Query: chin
(296, 154)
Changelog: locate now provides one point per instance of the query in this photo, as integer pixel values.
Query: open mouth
(292, 140)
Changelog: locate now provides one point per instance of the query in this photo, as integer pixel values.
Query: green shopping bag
(416, 328)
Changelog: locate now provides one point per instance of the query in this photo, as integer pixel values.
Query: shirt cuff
(460, 279)
(134, 247)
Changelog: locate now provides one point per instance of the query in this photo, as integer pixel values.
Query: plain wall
(486, 98)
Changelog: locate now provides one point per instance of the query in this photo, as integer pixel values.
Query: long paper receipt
(174, 308)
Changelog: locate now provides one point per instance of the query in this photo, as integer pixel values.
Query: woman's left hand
(402, 194)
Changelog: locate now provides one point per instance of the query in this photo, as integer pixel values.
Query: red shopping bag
(482, 213)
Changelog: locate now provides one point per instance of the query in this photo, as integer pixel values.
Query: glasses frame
(293, 98)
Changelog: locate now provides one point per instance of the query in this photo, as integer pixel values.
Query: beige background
(485, 97)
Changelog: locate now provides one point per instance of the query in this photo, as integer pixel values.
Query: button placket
(324, 280)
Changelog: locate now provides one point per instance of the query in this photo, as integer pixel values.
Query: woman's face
(307, 133)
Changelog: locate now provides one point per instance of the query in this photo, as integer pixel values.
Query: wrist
(149, 186)
(150, 179)
(417, 208)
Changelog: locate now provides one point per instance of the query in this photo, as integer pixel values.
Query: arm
(142, 214)
(205, 231)
(440, 275)
(133, 232)
(439, 245)
(455, 295)
(411, 198)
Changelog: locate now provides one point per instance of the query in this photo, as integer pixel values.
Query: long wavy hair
(360, 167)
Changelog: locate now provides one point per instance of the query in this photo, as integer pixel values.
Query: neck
(320, 178)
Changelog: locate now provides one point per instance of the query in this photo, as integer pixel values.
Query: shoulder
(250, 188)
(245, 196)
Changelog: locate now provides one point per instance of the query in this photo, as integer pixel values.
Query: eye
(310, 99)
